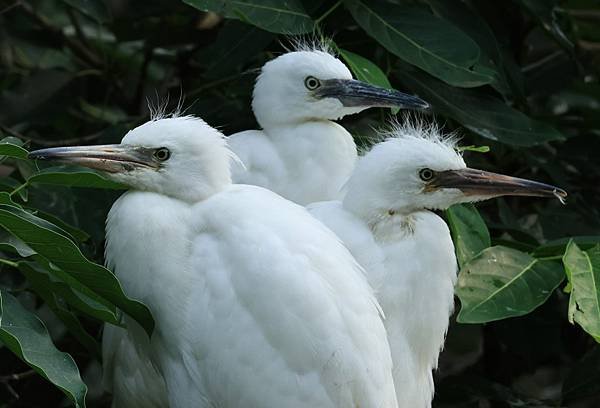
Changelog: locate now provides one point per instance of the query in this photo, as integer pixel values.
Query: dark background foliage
(83, 71)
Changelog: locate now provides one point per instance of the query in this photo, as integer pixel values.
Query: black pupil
(312, 83)
(426, 174)
(162, 154)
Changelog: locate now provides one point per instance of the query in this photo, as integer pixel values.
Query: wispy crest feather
(415, 126)
(309, 42)
(159, 110)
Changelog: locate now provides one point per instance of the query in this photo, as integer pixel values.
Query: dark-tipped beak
(484, 184)
(353, 93)
(107, 158)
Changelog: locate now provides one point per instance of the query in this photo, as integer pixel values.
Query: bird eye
(312, 83)
(162, 154)
(426, 174)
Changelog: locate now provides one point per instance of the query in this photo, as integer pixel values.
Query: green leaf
(26, 336)
(366, 71)
(14, 244)
(474, 25)
(48, 241)
(502, 282)
(10, 149)
(70, 176)
(557, 247)
(73, 292)
(424, 40)
(287, 17)
(49, 291)
(75, 233)
(469, 232)
(235, 45)
(473, 148)
(583, 271)
(6, 199)
(479, 112)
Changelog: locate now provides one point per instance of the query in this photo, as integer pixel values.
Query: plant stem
(14, 265)
(21, 187)
(328, 12)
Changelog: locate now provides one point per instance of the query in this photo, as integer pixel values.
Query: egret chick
(386, 221)
(256, 303)
(300, 153)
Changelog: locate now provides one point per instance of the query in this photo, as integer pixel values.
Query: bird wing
(281, 313)
(128, 372)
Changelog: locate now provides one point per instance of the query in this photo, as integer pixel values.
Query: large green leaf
(47, 240)
(284, 17)
(53, 294)
(236, 44)
(469, 232)
(70, 290)
(479, 112)
(467, 19)
(26, 336)
(422, 39)
(70, 176)
(75, 233)
(583, 271)
(502, 282)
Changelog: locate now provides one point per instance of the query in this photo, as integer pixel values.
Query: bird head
(179, 157)
(312, 85)
(418, 168)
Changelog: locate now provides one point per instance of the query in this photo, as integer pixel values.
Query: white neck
(318, 158)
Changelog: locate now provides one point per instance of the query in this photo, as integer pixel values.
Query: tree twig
(59, 142)
(17, 376)
(79, 49)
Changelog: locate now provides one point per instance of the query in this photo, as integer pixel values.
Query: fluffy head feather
(199, 160)
(387, 177)
(281, 96)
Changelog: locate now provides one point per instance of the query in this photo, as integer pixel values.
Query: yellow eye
(311, 83)
(162, 154)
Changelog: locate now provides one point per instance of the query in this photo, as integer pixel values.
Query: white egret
(256, 303)
(300, 153)
(406, 249)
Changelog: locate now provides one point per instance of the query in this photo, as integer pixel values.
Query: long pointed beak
(353, 93)
(108, 158)
(473, 182)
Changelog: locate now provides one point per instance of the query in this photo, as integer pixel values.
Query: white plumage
(300, 153)
(406, 249)
(256, 303)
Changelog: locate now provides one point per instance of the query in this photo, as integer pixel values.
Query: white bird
(386, 221)
(300, 153)
(256, 303)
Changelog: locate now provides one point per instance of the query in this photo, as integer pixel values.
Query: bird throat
(392, 226)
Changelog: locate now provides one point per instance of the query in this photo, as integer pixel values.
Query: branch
(589, 15)
(50, 143)
(17, 376)
(78, 49)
